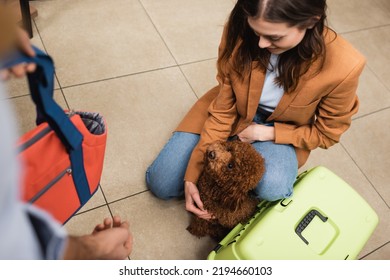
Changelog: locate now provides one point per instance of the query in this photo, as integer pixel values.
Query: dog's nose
(211, 155)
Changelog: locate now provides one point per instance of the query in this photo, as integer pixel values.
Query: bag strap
(41, 84)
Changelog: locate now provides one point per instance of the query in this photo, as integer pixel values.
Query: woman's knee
(164, 179)
(272, 188)
(281, 169)
(159, 187)
(165, 175)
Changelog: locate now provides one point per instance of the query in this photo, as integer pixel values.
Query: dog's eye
(230, 166)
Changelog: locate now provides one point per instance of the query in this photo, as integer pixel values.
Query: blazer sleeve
(333, 116)
(218, 126)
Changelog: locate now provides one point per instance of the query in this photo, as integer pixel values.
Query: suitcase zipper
(68, 171)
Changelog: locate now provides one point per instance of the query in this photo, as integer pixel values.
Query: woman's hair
(293, 63)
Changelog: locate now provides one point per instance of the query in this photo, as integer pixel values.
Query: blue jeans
(165, 176)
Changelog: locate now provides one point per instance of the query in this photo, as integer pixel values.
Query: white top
(272, 93)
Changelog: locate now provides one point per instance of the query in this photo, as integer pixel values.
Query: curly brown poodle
(232, 170)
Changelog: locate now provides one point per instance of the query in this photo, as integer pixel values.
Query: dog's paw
(198, 232)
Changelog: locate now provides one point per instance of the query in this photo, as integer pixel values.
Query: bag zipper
(35, 139)
(68, 171)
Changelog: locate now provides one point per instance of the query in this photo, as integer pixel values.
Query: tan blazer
(314, 115)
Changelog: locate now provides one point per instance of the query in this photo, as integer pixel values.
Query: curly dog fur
(232, 170)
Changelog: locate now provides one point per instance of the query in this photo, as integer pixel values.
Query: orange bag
(62, 158)
(47, 179)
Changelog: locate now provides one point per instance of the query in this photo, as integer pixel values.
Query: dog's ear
(258, 166)
(254, 165)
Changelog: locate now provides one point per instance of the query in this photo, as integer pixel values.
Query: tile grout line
(126, 197)
(373, 251)
(169, 50)
(371, 113)
(105, 199)
(96, 207)
(197, 61)
(364, 174)
(159, 34)
(364, 29)
(379, 78)
(384, 85)
(108, 203)
(372, 185)
(88, 210)
(131, 74)
(55, 74)
(120, 76)
(136, 73)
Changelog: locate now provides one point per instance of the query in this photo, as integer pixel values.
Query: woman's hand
(23, 43)
(193, 202)
(257, 132)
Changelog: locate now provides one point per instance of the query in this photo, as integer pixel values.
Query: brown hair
(292, 63)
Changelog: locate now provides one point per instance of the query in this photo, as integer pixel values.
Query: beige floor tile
(352, 15)
(159, 229)
(84, 223)
(368, 144)
(25, 111)
(373, 94)
(201, 75)
(338, 161)
(191, 29)
(374, 44)
(382, 253)
(96, 39)
(141, 112)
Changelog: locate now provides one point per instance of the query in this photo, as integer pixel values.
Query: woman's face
(276, 37)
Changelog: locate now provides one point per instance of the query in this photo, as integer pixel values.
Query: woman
(287, 84)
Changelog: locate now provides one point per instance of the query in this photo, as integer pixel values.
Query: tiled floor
(143, 63)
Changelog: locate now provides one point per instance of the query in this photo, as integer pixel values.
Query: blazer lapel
(256, 87)
(256, 79)
(286, 100)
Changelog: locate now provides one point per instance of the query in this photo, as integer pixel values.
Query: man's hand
(24, 45)
(111, 240)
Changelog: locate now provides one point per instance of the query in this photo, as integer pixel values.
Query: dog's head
(235, 166)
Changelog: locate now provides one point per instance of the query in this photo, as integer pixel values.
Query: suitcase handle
(306, 221)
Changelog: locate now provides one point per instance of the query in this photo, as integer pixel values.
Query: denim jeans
(165, 176)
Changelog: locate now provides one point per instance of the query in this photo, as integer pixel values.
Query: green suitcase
(324, 219)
